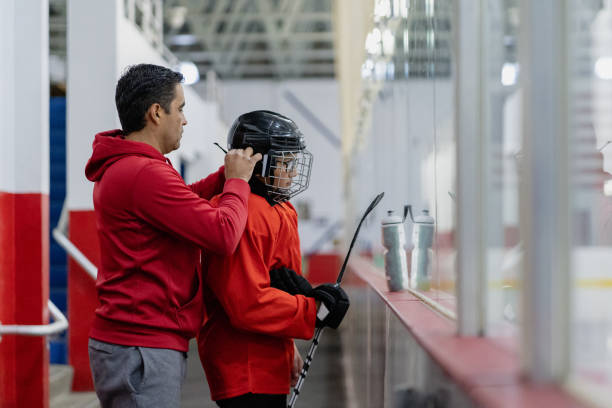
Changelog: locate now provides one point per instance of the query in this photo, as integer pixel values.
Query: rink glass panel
(502, 156)
(590, 151)
(408, 147)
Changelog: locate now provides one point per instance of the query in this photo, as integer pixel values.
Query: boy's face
(288, 173)
(284, 171)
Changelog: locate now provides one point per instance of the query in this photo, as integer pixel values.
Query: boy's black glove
(333, 299)
(289, 281)
(334, 304)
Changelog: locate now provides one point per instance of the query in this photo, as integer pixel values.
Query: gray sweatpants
(126, 376)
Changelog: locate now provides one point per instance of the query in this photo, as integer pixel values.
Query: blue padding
(58, 276)
(58, 297)
(57, 351)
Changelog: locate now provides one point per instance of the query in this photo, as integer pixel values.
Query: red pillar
(24, 200)
(82, 301)
(24, 291)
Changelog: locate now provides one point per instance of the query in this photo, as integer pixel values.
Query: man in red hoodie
(246, 342)
(152, 228)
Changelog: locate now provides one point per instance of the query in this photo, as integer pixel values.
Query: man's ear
(154, 113)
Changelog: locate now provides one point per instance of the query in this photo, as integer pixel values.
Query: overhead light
(429, 8)
(183, 39)
(176, 16)
(380, 70)
(366, 69)
(57, 69)
(603, 68)
(190, 72)
(403, 7)
(509, 74)
(382, 8)
(388, 42)
(373, 43)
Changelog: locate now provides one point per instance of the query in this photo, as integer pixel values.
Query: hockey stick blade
(373, 204)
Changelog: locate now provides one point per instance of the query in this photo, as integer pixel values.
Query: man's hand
(240, 163)
(297, 366)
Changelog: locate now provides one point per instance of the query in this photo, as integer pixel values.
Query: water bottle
(422, 239)
(394, 241)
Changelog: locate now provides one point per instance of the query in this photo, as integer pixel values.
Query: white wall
(208, 157)
(90, 96)
(24, 101)
(7, 105)
(93, 72)
(132, 48)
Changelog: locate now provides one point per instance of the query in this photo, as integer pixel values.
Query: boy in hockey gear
(246, 341)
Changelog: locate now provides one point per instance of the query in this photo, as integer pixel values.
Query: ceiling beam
(297, 37)
(233, 40)
(258, 37)
(310, 16)
(326, 68)
(295, 8)
(272, 33)
(204, 56)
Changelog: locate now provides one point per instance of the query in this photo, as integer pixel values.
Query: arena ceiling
(252, 38)
(235, 38)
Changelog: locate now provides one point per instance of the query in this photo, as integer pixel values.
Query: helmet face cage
(287, 173)
(286, 163)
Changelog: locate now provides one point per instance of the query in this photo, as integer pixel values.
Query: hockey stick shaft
(373, 204)
(305, 367)
(319, 330)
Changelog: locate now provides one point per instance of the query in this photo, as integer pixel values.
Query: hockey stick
(319, 330)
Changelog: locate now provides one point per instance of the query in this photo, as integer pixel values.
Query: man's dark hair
(140, 87)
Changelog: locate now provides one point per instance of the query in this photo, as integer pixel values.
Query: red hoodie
(151, 227)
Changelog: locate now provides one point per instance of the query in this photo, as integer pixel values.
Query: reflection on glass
(590, 52)
(503, 156)
(407, 131)
(423, 40)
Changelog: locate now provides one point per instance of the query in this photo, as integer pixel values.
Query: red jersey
(151, 227)
(246, 342)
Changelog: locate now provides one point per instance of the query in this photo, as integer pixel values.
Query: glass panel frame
(544, 190)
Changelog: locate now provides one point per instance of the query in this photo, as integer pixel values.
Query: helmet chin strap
(264, 164)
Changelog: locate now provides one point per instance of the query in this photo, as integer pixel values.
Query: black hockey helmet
(282, 146)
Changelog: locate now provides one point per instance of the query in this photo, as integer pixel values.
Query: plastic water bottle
(394, 241)
(422, 239)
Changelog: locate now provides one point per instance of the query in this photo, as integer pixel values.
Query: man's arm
(239, 163)
(210, 186)
(161, 198)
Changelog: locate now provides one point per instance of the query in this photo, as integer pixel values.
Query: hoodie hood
(109, 147)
